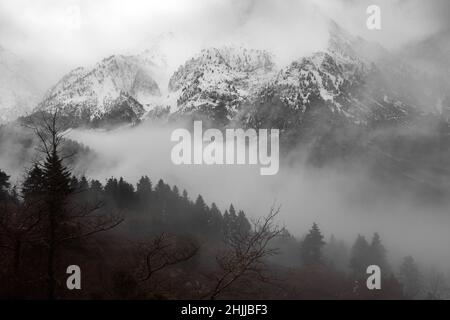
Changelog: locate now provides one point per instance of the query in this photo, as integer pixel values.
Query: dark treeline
(152, 241)
(195, 233)
(163, 208)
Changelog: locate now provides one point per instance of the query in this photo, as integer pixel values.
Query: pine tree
(161, 186)
(410, 277)
(378, 254)
(360, 256)
(34, 183)
(175, 192)
(185, 196)
(226, 226)
(200, 205)
(125, 196)
(4, 183)
(215, 220)
(111, 188)
(83, 185)
(18, 223)
(200, 215)
(230, 228)
(161, 201)
(57, 188)
(144, 188)
(95, 192)
(311, 248)
(336, 253)
(232, 212)
(60, 224)
(96, 186)
(74, 183)
(174, 207)
(243, 225)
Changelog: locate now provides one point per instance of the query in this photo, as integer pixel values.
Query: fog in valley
(364, 135)
(342, 203)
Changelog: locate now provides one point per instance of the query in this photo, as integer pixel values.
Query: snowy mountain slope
(116, 81)
(352, 80)
(18, 91)
(392, 77)
(225, 76)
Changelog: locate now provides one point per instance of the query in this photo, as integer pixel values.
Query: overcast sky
(62, 34)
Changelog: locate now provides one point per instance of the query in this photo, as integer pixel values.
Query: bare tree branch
(245, 254)
(161, 253)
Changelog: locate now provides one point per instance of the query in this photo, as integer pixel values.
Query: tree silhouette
(378, 254)
(242, 224)
(62, 222)
(245, 254)
(19, 220)
(163, 251)
(311, 248)
(96, 187)
(360, 256)
(4, 184)
(410, 277)
(337, 254)
(215, 222)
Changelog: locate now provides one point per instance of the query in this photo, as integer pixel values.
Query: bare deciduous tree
(163, 252)
(245, 254)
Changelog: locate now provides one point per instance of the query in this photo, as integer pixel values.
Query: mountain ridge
(356, 80)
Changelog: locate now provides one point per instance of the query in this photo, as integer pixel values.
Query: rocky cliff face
(117, 83)
(351, 81)
(221, 80)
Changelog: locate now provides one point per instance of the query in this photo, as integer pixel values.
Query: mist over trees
(154, 241)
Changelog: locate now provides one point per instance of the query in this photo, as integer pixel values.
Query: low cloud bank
(342, 203)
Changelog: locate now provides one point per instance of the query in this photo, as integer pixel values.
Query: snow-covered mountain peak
(352, 78)
(225, 76)
(225, 64)
(91, 93)
(238, 58)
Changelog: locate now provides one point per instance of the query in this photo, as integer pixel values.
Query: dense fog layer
(343, 203)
